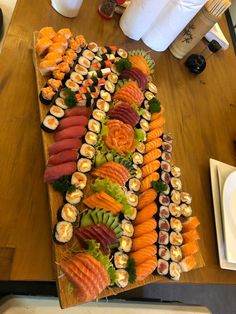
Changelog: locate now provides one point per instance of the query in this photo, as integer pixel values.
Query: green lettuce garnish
(123, 64)
(154, 105)
(63, 185)
(159, 186)
(115, 191)
(131, 269)
(70, 99)
(94, 250)
(139, 135)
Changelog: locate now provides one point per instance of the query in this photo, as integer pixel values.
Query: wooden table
(200, 112)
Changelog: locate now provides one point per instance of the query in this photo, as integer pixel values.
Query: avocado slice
(86, 219)
(94, 216)
(100, 214)
(110, 220)
(105, 217)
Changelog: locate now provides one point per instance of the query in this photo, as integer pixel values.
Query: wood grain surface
(200, 113)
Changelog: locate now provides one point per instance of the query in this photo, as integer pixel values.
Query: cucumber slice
(118, 229)
(115, 223)
(86, 219)
(100, 214)
(105, 217)
(110, 220)
(94, 216)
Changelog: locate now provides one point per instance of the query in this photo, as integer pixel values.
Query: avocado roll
(175, 253)
(98, 114)
(163, 237)
(63, 232)
(132, 213)
(152, 87)
(175, 197)
(165, 166)
(127, 228)
(162, 267)
(144, 124)
(176, 238)
(105, 95)
(74, 197)
(186, 198)
(164, 224)
(102, 105)
(176, 224)
(91, 138)
(174, 271)
(175, 210)
(68, 213)
(134, 184)
(164, 212)
(61, 103)
(94, 126)
(186, 210)
(132, 198)
(84, 165)
(137, 158)
(56, 111)
(164, 252)
(120, 260)
(87, 151)
(125, 244)
(50, 123)
(122, 278)
(79, 180)
(164, 199)
(148, 95)
(176, 183)
(175, 171)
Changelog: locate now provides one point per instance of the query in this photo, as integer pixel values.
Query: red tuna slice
(88, 233)
(102, 236)
(122, 117)
(110, 233)
(55, 172)
(67, 144)
(78, 111)
(71, 132)
(64, 156)
(128, 114)
(128, 109)
(72, 121)
(142, 77)
(77, 280)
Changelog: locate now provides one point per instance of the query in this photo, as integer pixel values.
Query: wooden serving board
(55, 201)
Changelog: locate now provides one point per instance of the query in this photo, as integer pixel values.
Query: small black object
(196, 63)
(1, 23)
(214, 46)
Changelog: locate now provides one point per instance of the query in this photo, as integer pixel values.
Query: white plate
(229, 218)
(220, 170)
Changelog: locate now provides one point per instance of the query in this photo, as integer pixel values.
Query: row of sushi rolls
(112, 161)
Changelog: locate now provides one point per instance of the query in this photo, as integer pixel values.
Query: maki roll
(175, 171)
(131, 214)
(138, 172)
(175, 197)
(93, 47)
(152, 87)
(81, 69)
(94, 126)
(146, 104)
(79, 180)
(144, 125)
(68, 213)
(105, 72)
(148, 95)
(84, 165)
(63, 232)
(103, 105)
(146, 114)
(50, 123)
(122, 278)
(72, 85)
(175, 210)
(176, 183)
(132, 198)
(74, 197)
(56, 112)
(127, 228)
(163, 237)
(46, 95)
(113, 78)
(137, 158)
(186, 198)
(125, 244)
(76, 77)
(63, 93)
(164, 212)
(167, 147)
(163, 224)
(162, 267)
(84, 62)
(167, 190)
(134, 184)
(175, 253)
(91, 138)
(165, 176)
(164, 252)
(114, 69)
(167, 137)
(176, 224)
(88, 54)
(141, 147)
(88, 99)
(110, 87)
(98, 114)
(166, 156)
(120, 260)
(122, 53)
(186, 210)
(176, 238)
(165, 166)
(174, 271)
(164, 199)
(105, 95)
(61, 103)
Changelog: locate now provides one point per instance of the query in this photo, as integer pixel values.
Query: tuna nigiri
(67, 144)
(78, 111)
(72, 121)
(64, 156)
(57, 171)
(71, 132)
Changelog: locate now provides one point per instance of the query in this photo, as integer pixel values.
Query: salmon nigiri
(147, 182)
(191, 223)
(189, 248)
(145, 227)
(146, 213)
(144, 254)
(146, 198)
(190, 236)
(150, 167)
(153, 144)
(154, 134)
(152, 155)
(144, 240)
(188, 263)
(145, 269)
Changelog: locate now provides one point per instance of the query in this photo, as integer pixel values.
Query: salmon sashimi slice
(152, 155)
(189, 248)
(190, 236)
(146, 213)
(146, 268)
(72, 121)
(103, 174)
(190, 224)
(55, 172)
(154, 134)
(67, 144)
(144, 240)
(143, 254)
(146, 183)
(146, 198)
(119, 167)
(62, 157)
(145, 227)
(150, 167)
(158, 123)
(71, 132)
(153, 144)
(103, 200)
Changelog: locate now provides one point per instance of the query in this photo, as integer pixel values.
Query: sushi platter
(120, 216)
